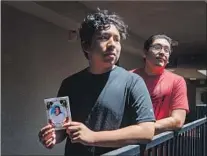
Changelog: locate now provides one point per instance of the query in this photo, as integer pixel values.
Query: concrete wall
(129, 61)
(36, 56)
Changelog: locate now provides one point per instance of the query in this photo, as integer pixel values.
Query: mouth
(109, 55)
(161, 59)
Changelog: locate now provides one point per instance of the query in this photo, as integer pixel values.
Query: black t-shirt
(106, 101)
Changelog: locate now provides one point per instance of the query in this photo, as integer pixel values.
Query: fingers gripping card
(58, 111)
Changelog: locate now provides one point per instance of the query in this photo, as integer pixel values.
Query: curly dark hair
(100, 20)
(152, 38)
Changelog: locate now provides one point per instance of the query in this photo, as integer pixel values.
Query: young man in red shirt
(167, 90)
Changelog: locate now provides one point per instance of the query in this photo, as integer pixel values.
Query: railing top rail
(201, 105)
(160, 138)
(131, 150)
(192, 125)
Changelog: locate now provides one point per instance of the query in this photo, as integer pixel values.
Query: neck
(100, 70)
(153, 70)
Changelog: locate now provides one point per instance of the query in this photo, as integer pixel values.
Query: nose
(111, 42)
(162, 51)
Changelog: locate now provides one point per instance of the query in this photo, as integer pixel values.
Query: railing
(191, 140)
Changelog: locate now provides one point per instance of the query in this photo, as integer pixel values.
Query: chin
(160, 64)
(110, 61)
(109, 64)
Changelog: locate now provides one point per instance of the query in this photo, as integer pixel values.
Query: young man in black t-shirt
(110, 107)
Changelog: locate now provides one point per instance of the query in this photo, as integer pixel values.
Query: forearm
(167, 124)
(60, 135)
(129, 135)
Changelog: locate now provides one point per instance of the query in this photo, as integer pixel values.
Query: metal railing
(191, 140)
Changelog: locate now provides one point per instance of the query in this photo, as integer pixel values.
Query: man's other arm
(179, 106)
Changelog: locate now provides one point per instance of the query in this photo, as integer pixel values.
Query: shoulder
(136, 70)
(176, 80)
(131, 75)
(61, 114)
(74, 77)
(132, 79)
(175, 77)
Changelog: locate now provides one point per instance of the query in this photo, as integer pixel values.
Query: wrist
(94, 138)
(158, 128)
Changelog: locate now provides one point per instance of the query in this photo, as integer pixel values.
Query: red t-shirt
(168, 91)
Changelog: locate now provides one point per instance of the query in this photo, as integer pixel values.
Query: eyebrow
(109, 32)
(161, 44)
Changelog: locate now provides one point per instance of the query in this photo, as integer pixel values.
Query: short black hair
(97, 21)
(152, 38)
(57, 107)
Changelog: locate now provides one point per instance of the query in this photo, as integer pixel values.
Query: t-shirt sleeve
(140, 102)
(61, 91)
(179, 95)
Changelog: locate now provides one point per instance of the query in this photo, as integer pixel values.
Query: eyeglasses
(158, 48)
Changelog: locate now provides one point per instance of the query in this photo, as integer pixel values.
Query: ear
(144, 54)
(85, 46)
